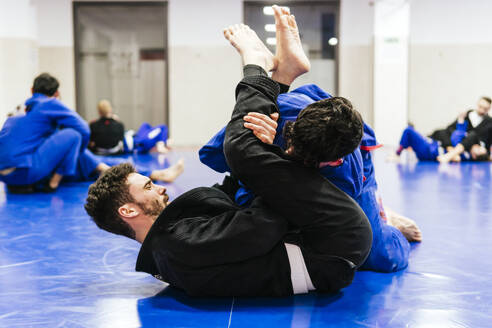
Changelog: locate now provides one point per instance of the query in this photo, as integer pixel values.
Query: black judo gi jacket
(207, 245)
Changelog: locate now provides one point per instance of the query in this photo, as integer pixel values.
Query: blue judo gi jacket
(355, 176)
(22, 135)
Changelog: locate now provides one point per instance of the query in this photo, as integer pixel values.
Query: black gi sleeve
(470, 140)
(222, 238)
(300, 194)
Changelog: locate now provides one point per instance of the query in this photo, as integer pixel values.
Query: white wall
(203, 68)
(450, 59)
(18, 53)
(356, 55)
(391, 29)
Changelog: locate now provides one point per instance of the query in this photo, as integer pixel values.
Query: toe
(276, 12)
(292, 22)
(227, 34)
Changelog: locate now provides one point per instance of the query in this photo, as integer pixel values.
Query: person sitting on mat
(463, 146)
(108, 136)
(476, 120)
(300, 232)
(354, 174)
(467, 145)
(50, 142)
(107, 133)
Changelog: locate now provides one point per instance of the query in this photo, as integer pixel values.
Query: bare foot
(55, 181)
(407, 226)
(160, 147)
(445, 158)
(170, 174)
(249, 46)
(456, 159)
(102, 167)
(292, 61)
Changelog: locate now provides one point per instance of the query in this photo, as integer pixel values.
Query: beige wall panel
(18, 67)
(59, 62)
(202, 81)
(445, 80)
(356, 78)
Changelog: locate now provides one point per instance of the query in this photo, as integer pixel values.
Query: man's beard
(153, 208)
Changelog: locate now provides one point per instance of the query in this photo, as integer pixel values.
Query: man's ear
(56, 94)
(128, 211)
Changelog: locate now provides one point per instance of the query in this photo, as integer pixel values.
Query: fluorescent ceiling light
(271, 41)
(270, 28)
(268, 10)
(333, 41)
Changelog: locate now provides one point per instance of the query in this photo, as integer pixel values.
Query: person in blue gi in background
(465, 145)
(50, 142)
(354, 174)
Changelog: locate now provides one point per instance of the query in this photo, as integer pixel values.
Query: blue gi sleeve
(459, 133)
(212, 154)
(62, 116)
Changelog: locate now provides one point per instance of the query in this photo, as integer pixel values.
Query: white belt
(110, 151)
(301, 281)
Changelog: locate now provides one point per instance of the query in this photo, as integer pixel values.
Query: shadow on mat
(177, 299)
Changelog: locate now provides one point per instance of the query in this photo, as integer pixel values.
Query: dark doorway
(121, 56)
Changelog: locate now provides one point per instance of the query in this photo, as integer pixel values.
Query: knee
(71, 136)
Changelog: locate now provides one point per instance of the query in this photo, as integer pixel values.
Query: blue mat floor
(57, 269)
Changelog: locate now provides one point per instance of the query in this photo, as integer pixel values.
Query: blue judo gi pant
(425, 148)
(147, 136)
(59, 153)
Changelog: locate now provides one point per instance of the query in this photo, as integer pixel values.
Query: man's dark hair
(324, 131)
(45, 84)
(106, 195)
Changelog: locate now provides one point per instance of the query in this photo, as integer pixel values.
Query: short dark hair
(324, 131)
(487, 99)
(106, 195)
(46, 84)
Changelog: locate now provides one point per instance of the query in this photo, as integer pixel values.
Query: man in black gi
(301, 233)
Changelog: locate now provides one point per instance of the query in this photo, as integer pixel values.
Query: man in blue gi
(354, 174)
(43, 144)
(50, 142)
(463, 145)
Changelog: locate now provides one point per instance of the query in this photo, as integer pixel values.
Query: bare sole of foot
(444, 159)
(292, 61)
(249, 46)
(407, 226)
(170, 174)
